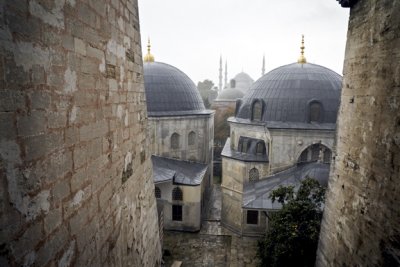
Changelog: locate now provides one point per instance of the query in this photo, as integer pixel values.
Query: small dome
(230, 94)
(170, 90)
(243, 81)
(286, 93)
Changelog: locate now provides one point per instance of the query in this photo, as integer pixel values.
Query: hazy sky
(192, 34)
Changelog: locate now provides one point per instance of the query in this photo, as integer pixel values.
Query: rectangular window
(252, 217)
(176, 212)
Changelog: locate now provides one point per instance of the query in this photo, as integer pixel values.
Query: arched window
(157, 192)
(191, 138)
(254, 175)
(256, 111)
(315, 112)
(177, 194)
(238, 104)
(314, 153)
(260, 149)
(327, 155)
(175, 141)
(304, 156)
(315, 149)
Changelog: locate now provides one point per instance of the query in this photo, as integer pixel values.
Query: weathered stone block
(12, 100)
(61, 190)
(52, 220)
(29, 240)
(7, 130)
(79, 46)
(32, 124)
(39, 99)
(50, 249)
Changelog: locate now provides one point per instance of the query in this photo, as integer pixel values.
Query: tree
(292, 237)
(205, 88)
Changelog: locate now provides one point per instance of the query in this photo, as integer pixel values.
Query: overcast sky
(192, 34)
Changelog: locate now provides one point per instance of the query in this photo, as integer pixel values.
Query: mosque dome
(243, 81)
(291, 93)
(230, 94)
(170, 90)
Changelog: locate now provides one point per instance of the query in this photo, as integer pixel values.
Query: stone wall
(191, 206)
(284, 146)
(75, 174)
(361, 224)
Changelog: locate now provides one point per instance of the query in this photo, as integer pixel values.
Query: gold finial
(149, 57)
(302, 59)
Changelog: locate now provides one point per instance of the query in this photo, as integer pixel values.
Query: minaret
(220, 74)
(149, 57)
(263, 66)
(226, 75)
(302, 59)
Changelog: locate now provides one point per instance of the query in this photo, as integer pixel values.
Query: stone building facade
(285, 121)
(361, 223)
(181, 139)
(76, 182)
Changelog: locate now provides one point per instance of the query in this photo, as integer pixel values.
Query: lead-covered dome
(243, 81)
(293, 93)
(169, 90)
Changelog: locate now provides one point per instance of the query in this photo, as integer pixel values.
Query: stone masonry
(361, 224)
(76, 183)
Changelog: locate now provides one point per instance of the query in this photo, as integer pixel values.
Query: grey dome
(243, 81)
(230, 94)
(286, 93)
(169, 90)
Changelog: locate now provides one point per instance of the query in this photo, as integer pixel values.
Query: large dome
(169, 90)
(287, 92)
(243, 81)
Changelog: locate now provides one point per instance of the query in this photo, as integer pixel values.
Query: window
(176, 212)
(327, 155)
(304, 156)
(175, 141)
(315, 152)
(240, 146)
(256, 111)
(315, 112)
(260, 150)
(254, 175)
(177, 194)
(245, 146)
(157, 192)
(252, 217)
(238, 104)
(191, 138)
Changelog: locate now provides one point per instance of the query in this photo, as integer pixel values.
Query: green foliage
(205, 88)
(292, 237)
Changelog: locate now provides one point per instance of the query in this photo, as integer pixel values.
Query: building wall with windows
(180, 131)
(195, 137)
(188, 138)
(189, 217)
(285, 120)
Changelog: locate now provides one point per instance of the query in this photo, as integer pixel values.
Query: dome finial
(302, 59)
(149, 57)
